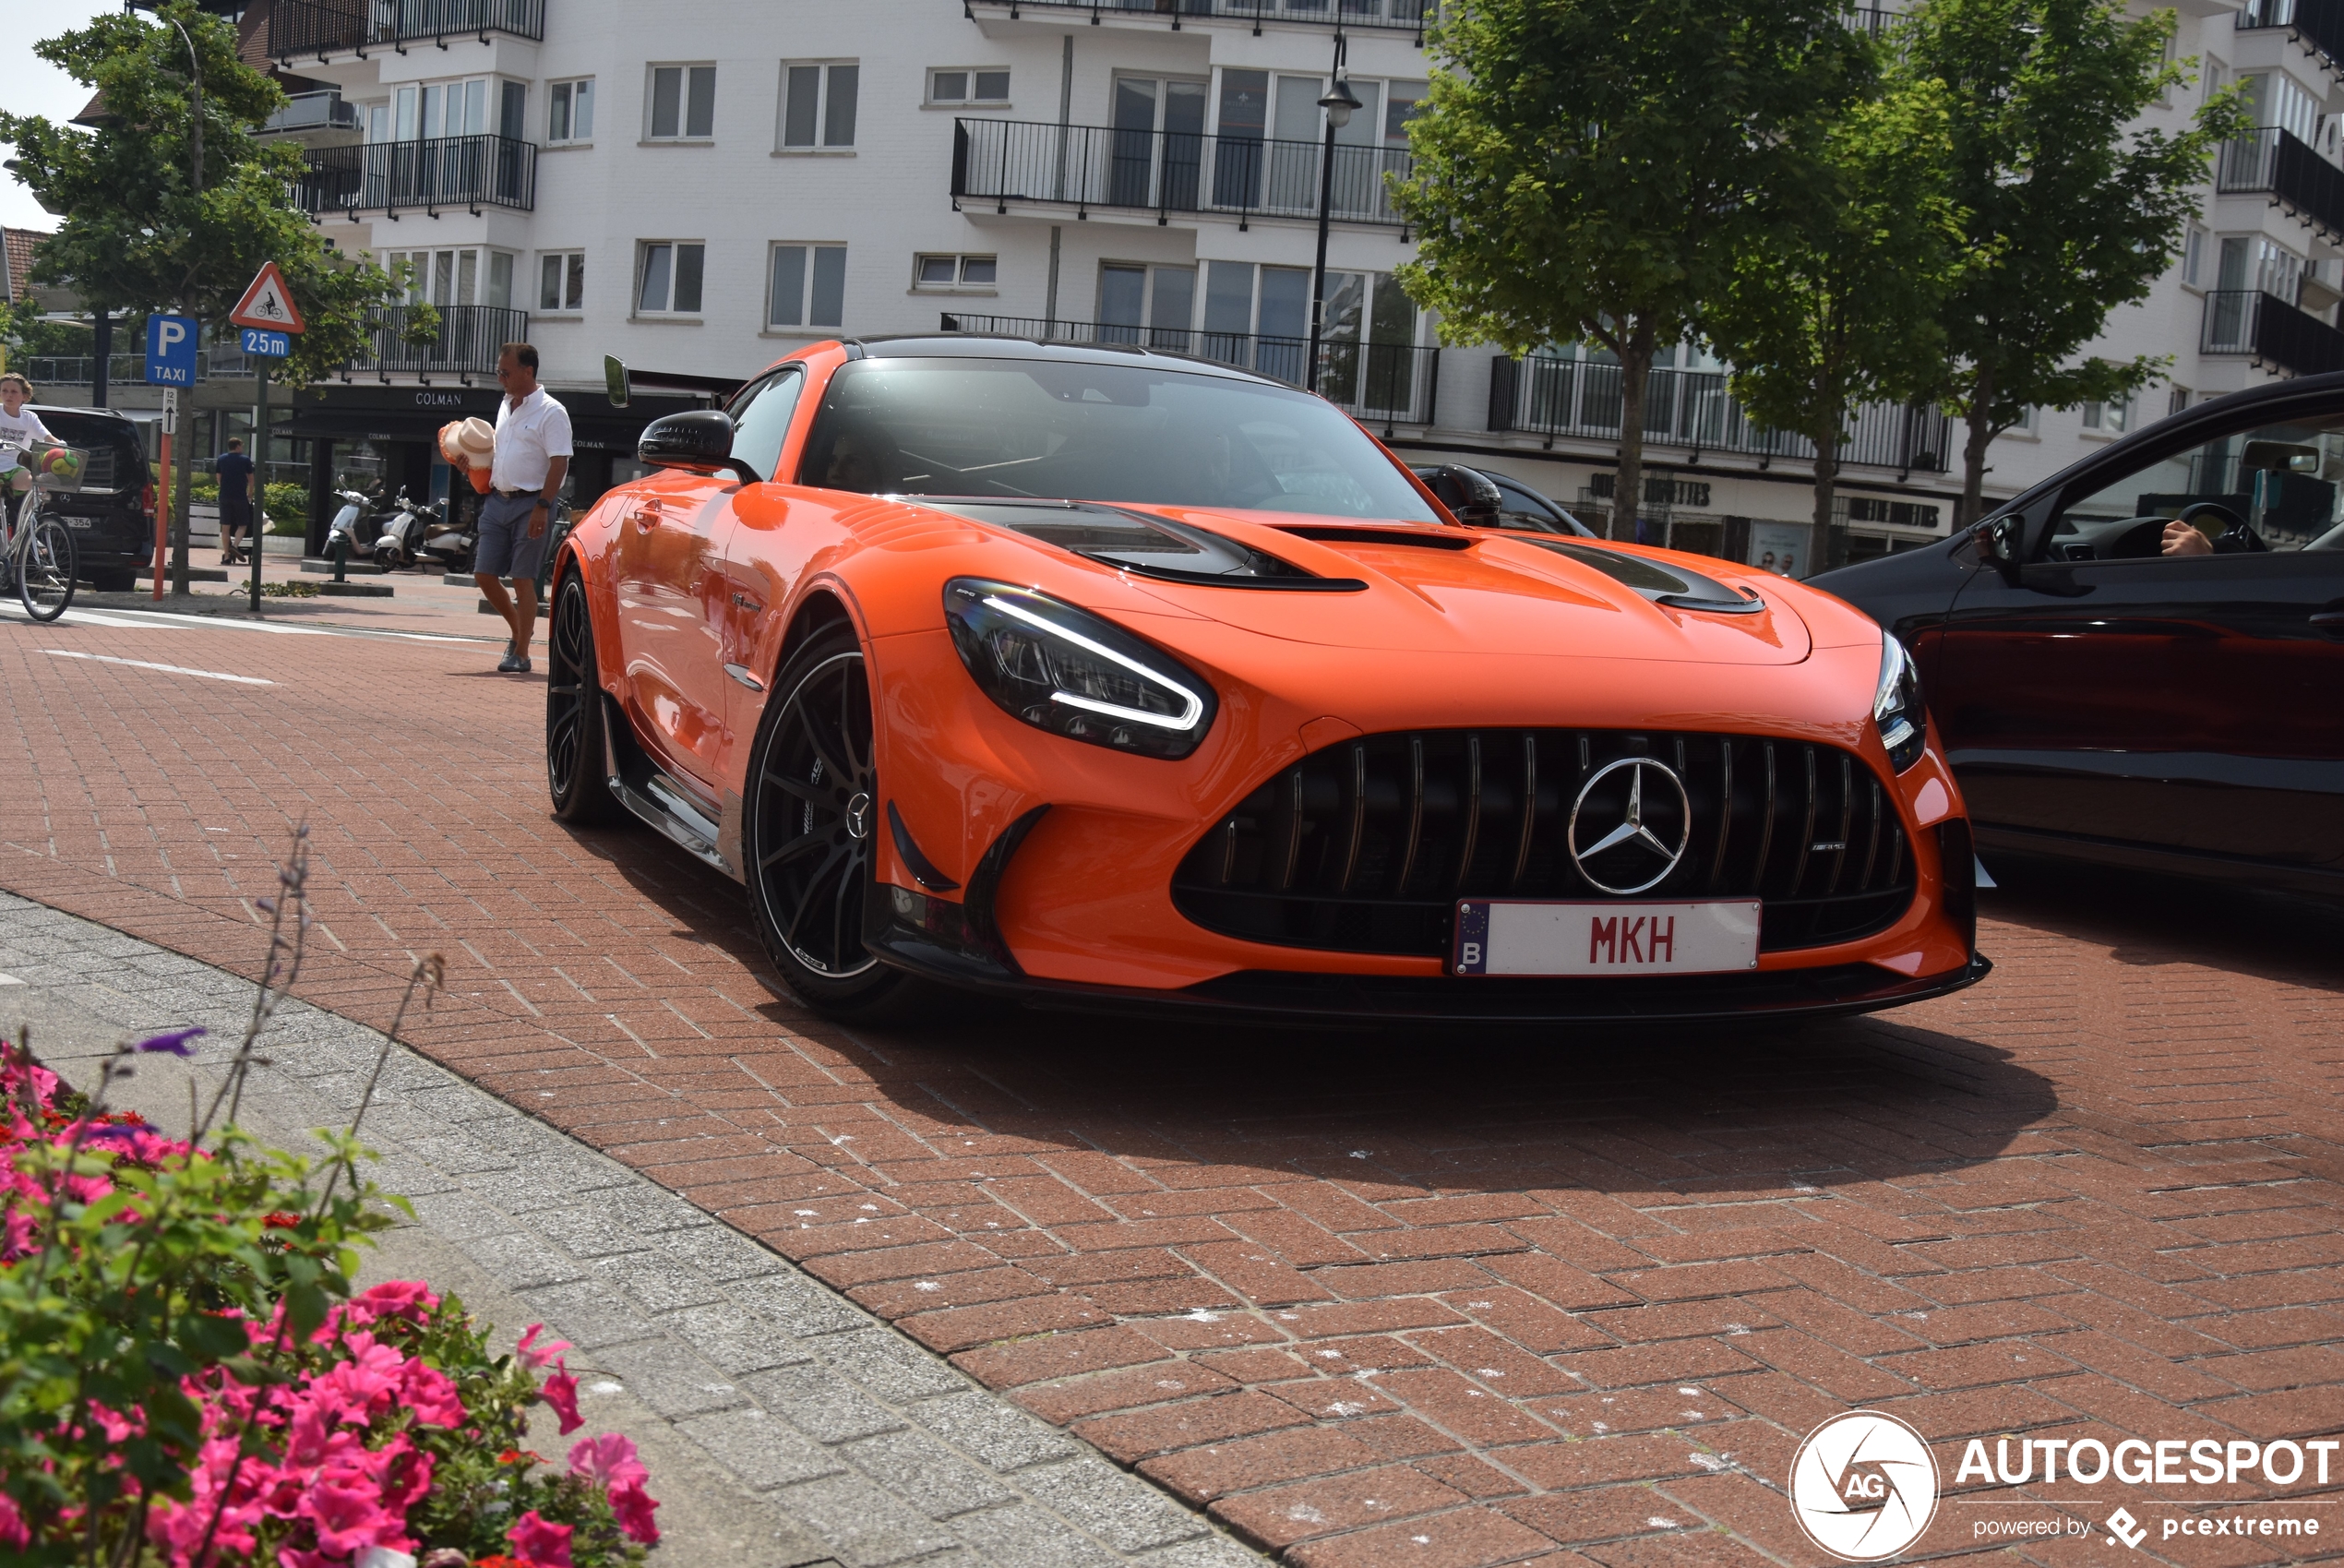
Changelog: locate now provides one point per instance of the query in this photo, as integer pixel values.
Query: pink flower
(561, 1393)
(608, 1461)
(431, 1395)
(348, 1515)
(533, 1355)
(633, 1506)
(543, 1544)
(13, 1533)
(408, 1299)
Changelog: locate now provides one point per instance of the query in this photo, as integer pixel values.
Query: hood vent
(1672, 585)
(1146, 546)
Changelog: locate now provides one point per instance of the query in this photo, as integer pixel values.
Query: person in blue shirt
(235, 470)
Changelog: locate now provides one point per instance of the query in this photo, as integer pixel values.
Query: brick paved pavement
(1429, 1298)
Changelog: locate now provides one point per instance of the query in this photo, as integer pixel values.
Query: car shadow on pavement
(2149, 920)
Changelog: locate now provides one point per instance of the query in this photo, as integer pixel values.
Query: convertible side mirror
(698, 440)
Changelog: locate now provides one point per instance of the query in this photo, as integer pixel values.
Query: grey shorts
(505, 548)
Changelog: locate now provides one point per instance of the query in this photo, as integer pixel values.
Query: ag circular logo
(1864, 1486)
(1629, 826)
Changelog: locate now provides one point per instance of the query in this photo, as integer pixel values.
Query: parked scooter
(400, 542)
(355, 524)
(450, 545)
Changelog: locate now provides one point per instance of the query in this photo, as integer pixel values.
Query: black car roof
(129, 425)
(1004, 345)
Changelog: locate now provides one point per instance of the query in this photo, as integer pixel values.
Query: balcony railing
(326, 27)
(1691, 408)
(1407, 16)
(458, 171)
(2318, 24)
(2250, 322)
(470, 336)
(2275, 162)
(1167, 171)
(52, 371)
(1388, 383)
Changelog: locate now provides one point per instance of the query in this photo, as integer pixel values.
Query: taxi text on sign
(268, 304)
(171, 351)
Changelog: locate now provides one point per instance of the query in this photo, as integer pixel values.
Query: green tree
(1834, 300)
(1587, 170)
(2072, 207)
(164, 209)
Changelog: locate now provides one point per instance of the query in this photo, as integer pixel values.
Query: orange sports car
(1093, 676)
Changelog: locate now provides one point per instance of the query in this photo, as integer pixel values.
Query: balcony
(2248, 322)
(1391, 384)
(322, 29)
(1099, 168)
(471, 172)
(313, 112)
(1581, 398)
(2317, 25)
(470, 337)
(1398, 16)
(2274, 162)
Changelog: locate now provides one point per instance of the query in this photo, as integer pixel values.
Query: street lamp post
(1339, 104)
(187, 453)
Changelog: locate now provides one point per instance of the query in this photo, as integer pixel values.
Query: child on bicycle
(20, 431)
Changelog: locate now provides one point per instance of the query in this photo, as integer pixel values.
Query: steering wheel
(2234, 530)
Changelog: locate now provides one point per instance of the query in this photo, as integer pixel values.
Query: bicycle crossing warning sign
(268, 304)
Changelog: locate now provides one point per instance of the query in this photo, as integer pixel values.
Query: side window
(760, 419)
(2277, 487)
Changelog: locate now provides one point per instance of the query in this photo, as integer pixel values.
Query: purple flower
(109, 1132)
(175, 1042)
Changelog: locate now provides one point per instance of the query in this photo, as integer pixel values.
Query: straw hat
(474, 441)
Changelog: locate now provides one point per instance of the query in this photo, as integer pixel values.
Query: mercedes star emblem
(1631, 848)
(858, 817)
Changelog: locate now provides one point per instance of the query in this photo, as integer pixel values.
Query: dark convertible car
(2112, 688)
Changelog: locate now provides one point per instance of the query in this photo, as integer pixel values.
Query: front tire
(813, 806)
(576, 770)
(45, 568)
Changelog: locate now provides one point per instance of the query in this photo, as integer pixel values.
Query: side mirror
(1469, 493)
(699, 440)
(616, 384)
(2279, 457)
(1998, 543)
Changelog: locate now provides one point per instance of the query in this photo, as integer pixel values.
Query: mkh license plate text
(1529, 937)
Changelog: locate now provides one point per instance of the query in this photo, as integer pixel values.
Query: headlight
(1069, 671)
(1896, 706)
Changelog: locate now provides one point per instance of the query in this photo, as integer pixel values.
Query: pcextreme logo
(1864, 1486)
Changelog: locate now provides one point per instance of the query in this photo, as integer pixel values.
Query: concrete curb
(783, 1424)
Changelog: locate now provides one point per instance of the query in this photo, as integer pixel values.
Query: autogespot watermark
(1866, 1486)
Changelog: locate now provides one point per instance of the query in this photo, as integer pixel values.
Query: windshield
(1070, 431)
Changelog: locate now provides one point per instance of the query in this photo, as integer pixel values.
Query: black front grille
(1367, 845)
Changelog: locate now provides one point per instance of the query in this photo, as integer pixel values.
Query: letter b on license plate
(1615, 937)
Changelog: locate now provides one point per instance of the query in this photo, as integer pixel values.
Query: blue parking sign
(171, 351)
(261, 343)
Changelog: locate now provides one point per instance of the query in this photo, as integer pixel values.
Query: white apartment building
(703, 187)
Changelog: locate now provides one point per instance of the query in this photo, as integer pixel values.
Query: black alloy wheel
(813, 807)
(577, 771)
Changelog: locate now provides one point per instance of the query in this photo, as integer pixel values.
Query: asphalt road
(1440, 1299)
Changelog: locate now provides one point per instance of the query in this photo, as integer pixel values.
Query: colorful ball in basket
(58, 462)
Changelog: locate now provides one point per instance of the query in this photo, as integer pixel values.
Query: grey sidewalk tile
(721, 1253)
(591, 1317)
(764, 1451)
(939, 1482)
(808, 1309)
(739, 1339)
(657, 1283)
(1022, 1536)
(523, 1262)
(670, 1379)
(1119, 1508)
(870, 1527)
(819, 1404)
(455, 1214)
(590, 1232)
(1205, 1551)
(1005, 1438)
(890, 1367)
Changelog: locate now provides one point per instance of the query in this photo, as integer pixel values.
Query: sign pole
(261, 476)
(163, 494)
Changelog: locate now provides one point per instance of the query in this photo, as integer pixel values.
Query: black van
(111, 515)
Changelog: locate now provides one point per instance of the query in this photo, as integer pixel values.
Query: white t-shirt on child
(18, 433)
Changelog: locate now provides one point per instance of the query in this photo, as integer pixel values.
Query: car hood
(1500, 592)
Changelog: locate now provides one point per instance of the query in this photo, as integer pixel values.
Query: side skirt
(647, 790)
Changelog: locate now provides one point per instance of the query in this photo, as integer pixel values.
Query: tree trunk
(1635, 369)
(1973, 460)
(1831, 532)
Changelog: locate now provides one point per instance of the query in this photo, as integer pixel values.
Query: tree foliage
(2073, 205)
(136, 234)
(1834, 301)
(1588, 170)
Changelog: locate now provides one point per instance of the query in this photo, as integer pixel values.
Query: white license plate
(80, 523)
(1538, 937)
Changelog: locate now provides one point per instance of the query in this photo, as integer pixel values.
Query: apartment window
(2193, 256)
(561, 280)
(810, 286)
(2026, 423)
(817, 105)
(2176, 401)
(978, 89)
(2112, 419)
(954, 271)
(570, 116)
(683, 103)
(670, 273)
(455, 277)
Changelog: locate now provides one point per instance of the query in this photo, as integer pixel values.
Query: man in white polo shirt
(532, 458)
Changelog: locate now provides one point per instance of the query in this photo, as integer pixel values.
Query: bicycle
(40, 564)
